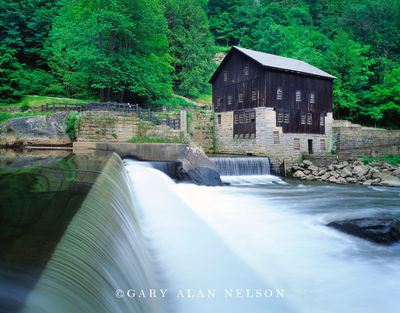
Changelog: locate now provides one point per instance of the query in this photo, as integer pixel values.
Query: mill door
(310, 148)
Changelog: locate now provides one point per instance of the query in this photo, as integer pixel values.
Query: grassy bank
(37, 101)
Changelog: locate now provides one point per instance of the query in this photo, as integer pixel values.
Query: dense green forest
(144, 50)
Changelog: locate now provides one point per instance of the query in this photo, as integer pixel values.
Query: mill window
(219, 119)
(280, 117)
(309, 119)
(275, 136)
(246, 70)
(323, 144)
(225, 76)
(286, 118)
(240, 97)
(296, 143)
(298, 96)
(303, 119)
(279, 94)
(254, 94)
(312, 97)
(229, 100)
(322, 120)
(253, 116)
(241, 117)
(236, 118)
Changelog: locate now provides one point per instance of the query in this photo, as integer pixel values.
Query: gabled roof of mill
(276, 62)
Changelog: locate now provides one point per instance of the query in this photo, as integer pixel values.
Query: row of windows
(305, 118)
(244, 117)
(245, 73)
(296, 142)
(254, 97)
(279, 96)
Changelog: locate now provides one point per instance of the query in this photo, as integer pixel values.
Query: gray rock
(307, 172)
(46, 129)
(310, 177)
(332, 179)
(306, 163)
(360, 170)
(380, 230)
(346, 172)
(322, 172)
(351, 180)
(196, 167)
(367, 182)
(313, 168)
(390, 180)
(326, 176)
(299, 174)
(396, 172)
(335, 174)
(330, 168)
(341, 181)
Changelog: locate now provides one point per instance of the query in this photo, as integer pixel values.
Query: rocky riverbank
(376, 173)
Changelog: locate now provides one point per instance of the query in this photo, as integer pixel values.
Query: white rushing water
(267, 237)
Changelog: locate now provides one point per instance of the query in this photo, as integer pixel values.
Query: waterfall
(242, 166)
(245, 171)
(101, 251)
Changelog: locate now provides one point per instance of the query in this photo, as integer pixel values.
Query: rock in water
(380, 230)
(196, 167)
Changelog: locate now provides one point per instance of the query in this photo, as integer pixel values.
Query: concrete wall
(117, 126)
(281, 152)
(352, 141)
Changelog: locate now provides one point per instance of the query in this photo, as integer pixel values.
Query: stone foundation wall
(270, 140)
(200, 126)
(352, 141)
(117, 126)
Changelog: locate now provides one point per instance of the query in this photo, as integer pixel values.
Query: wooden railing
(143, 114)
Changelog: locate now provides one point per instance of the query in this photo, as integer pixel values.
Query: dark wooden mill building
(271, 105)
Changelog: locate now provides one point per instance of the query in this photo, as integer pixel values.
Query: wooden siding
(265, 82)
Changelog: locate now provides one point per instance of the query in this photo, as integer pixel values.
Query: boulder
(333, 180)
(322, 172)
(390, 180)
(306, 163)
(346, 172)
(380, 230)
(341, 181)
(326, 176)
(313, 168)
(48, 130)
(360, 170)
(196, 167)
(299, 174)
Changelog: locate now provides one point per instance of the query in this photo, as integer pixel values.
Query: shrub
(72, 125)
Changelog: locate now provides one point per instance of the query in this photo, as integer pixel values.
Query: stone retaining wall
(97, 126)
(352, 141)
(200, 126)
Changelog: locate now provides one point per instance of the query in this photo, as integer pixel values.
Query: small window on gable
(298, 96)
(303, 119)
(219, 119)
(286, 118)
(323, 144)
(312, 98)
(322, 120)
(280, 117)
(240, 97)
(279, 94)
(229, 100)
(225, 76)
(236, 118)
(221, 102)
(254, 94)
(296, 143)
(275, 136)
(309, 119)
(246, 70)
